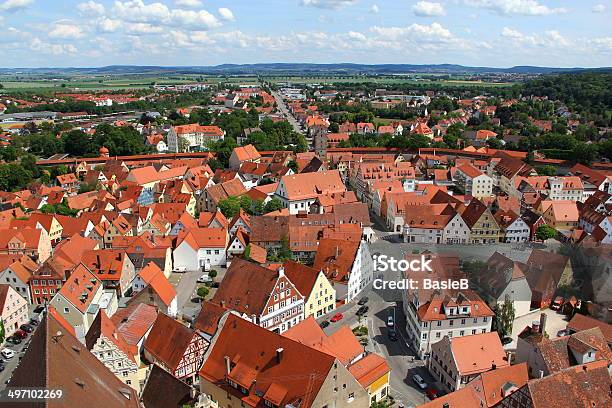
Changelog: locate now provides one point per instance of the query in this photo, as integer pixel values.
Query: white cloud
(226, 14)
(515, 7)
(15, 5)
(37, 45)
(137, 11)
(510, 33)
(91, 8)
(417, 32)
(143, 29)
(356, 36)
(327, 4)
(374, 9)
(549, 39)
(65, 30)
(188, 3)
(108, 25)
(599, 8)
(428, 9)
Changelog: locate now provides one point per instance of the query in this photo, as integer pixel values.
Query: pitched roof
(206, 238)
(587, 385)
(168, 341)
(248, 152)
(80, 288)
(246, 287)
(464, 397)
(492, 386)
(55, 359)
(341, 344)
(308, 185)
(335, 258)
(302, 276)
(285, 371)
(478, 352)
(104, 326)
(581, 322)
(157, 281)
(163, 390)
(134, 321)
(369, 369)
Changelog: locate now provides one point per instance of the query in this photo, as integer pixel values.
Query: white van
(7, 353)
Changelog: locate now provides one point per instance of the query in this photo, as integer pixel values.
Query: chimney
(228, 368)
(493, 366)
(541, 374)
(223, 303)
(543, 323)
(279, 355)
(535, 326)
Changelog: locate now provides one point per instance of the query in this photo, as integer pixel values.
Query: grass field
(124, 82)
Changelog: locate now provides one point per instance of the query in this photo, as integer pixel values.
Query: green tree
(545, 232)
(202, 292)
(212, 274)
(273, 205)
(76, 143)
(546, 170)
(2, 331)
(504, 317)
(229, 206)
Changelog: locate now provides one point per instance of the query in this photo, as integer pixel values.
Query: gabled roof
(104, 326)
(335, 258)
(308, 185)
(208, 319)
(246, 287)
(80, 288)
(285, 371)
(134, 321)
(477, 353)
(198, 238)
(341, 344)
(492, 386)
(369, 369)
(581, 322)
(248, 152)
(55, 359)
(157, 281)
(168, 341)
(302, 276)
(163, 390)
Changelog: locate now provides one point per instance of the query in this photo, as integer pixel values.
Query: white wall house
(362, 272)
(456, 231)
(517, 231)
(201, 248)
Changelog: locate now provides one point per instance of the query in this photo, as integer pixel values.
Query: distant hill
(297, 68)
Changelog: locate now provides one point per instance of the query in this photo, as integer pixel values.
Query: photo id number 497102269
(29, 394)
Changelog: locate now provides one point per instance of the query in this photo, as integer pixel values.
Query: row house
(473, 182)
(561, 215)
(299, 191)
(433, 314)
(434, 224)
(274, 370)
(105, 342)
(514, 228)
(592, 180)
(457, 361)
(193, 137)
(508, 169)
(13, 309)
(112, 267)
(33, 242)
(176, 348)
(81, 298)
(366, 173)
(265, 297)
(596, 224)
(201, 248)
(484, 229)
(151, 287)
(17, 274)
(346, 263)
(319, 294)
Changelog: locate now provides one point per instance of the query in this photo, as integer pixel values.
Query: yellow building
(319, 294)
(372, 372)
(484, 229)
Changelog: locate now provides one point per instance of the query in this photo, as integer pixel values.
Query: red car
(21, 334)
(432, 393)
(336, 317)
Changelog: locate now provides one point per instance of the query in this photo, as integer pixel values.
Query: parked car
(363, 301)
(180, 269)
(432, 393)
(26, 328)
(20, 334)
(337, 317)
(362, 310)
(324, 324)
(204, 279)
(557, 303)
(562, 333)
(7, 353)
(390, 322)
(418, 380)
(506, 340)
(13, 340)
(392, 334)
(33, 322)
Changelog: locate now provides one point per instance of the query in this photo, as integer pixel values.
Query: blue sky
(499, 33)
